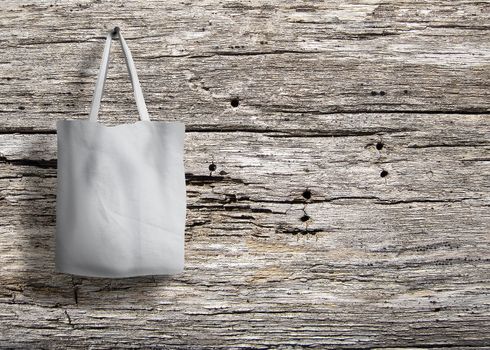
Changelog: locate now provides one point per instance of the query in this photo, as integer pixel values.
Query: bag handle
(99, 85)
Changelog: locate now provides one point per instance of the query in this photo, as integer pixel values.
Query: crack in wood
(225, 207)
(251, 53)
(75, 285)
(440, 145)
(38, 163)
(68, 318)
(200, 180)
(26, 130)
(338, 110)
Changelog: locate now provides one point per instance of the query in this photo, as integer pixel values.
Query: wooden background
(337, 164)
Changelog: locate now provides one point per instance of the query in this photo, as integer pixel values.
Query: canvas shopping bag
(121, 197)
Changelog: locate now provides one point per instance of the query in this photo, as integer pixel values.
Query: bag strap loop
(99, 85)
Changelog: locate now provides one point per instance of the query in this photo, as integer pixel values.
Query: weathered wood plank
(380, 248)
(347, 201)
(322, 58)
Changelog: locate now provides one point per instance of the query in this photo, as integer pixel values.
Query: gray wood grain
(348, 201)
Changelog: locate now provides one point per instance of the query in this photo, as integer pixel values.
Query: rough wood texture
(348, 204)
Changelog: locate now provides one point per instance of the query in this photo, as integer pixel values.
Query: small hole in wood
(384, 173)
(373, 93)
(379, 146)
(305, 218)
(22, 107)
(405, 92)
(382, 93)
(235, 102)
(212, 167)
(307, 194)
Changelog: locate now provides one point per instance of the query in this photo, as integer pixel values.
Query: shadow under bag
(121, 196)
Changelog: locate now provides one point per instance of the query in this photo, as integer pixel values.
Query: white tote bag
(121, 197)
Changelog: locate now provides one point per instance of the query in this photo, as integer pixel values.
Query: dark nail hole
(379, 146)
(232, 198)
(384, 173)
(307, 194)
(373, 93)
(234, 102)
(382, 93)
(437, 309)
(405, 92)
(305, 218)
(22, 107)
(212, 167)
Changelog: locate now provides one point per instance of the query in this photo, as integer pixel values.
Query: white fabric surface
(121, 196)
